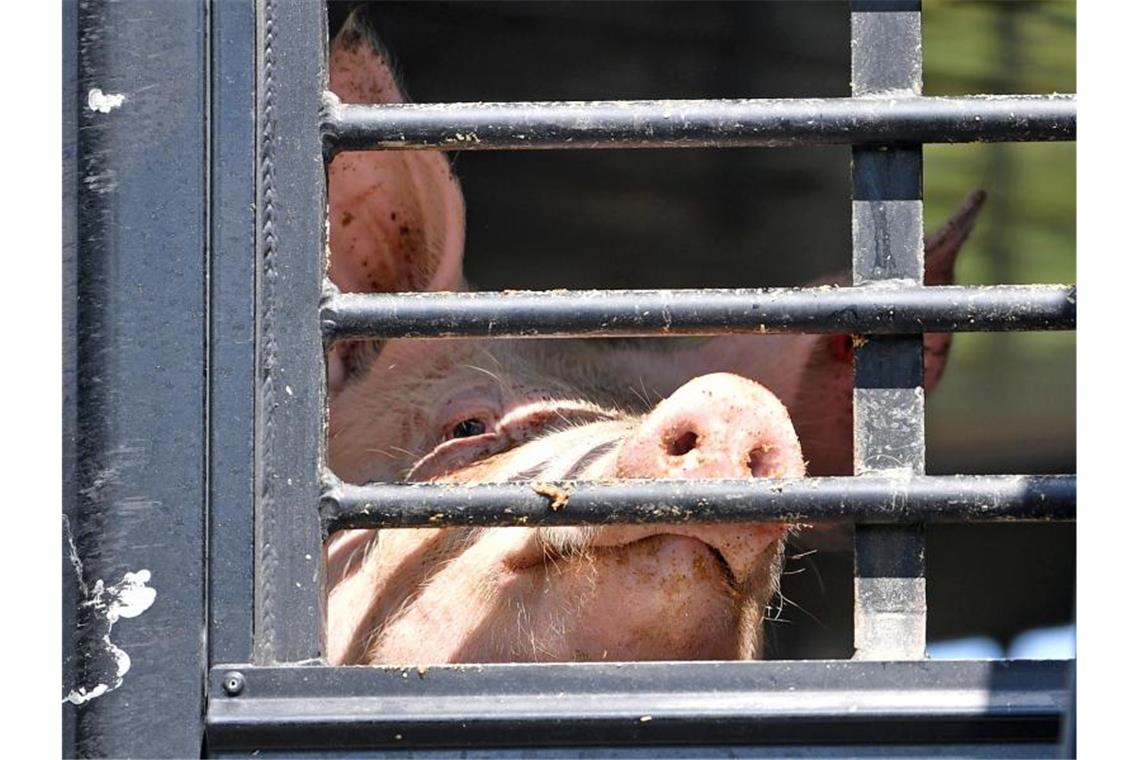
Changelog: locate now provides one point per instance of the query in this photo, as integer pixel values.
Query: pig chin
(664, 596)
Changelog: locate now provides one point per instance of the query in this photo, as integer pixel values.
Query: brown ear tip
(969, 210)
(357, 29)
(976, 199)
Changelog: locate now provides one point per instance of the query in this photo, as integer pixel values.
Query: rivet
(233, 683)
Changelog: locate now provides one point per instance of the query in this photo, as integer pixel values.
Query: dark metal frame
(136, 332)
(225, 348)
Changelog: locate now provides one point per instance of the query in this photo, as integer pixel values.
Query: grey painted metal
(945, 498)
(290, 384)
(232, 355)
(997, 750)
(897, 307)
(647, 704)
(135, 338)
(71, 636)
(752, 123)
(886, 49)
(888, 406)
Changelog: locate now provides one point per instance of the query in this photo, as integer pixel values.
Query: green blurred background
(736, 218)
(1021, 386)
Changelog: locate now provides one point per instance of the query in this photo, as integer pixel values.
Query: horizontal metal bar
(895, 307)
(865, 499)
(645, 703)
(751, 123)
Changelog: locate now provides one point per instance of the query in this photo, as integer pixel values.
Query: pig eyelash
(382, 452)
(780, 610)
(643, 396)
(499, 380)
(388, 452)
(802, 554)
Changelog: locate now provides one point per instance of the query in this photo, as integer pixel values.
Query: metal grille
(265, 701)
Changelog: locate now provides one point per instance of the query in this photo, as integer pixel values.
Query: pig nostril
(682, 444)
(760, 463)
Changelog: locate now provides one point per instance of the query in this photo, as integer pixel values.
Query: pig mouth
(540, 554)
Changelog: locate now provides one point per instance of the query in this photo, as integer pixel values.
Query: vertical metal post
(135, 412)
(232, 347)
(291, 77)
(890, 583)
(70, 597)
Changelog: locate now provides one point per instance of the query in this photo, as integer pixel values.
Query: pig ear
(821, 409)
(395, 217)
(943, 245)
(942, 249)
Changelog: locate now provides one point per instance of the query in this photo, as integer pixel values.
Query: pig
(484, 411)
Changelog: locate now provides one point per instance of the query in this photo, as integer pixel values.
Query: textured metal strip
(290, 383)
(886, 229)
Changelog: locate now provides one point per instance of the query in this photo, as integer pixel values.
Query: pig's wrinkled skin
(470, 411)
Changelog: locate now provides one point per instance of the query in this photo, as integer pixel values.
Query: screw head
(233, 682)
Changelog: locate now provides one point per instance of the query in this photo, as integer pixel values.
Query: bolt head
(233, 683)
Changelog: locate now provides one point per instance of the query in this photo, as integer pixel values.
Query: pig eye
(468, 428)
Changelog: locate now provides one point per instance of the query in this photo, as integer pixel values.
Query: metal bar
(288, 599)
(884, 309)
(134, 506)
(752, 123)
(580, 748)
(232, 358)
(888, 406)
(935, 499)
(643, 703)
(72, 635)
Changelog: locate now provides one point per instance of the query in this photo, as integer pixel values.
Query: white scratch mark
(128, 598)
(102, 102)
(73, 553)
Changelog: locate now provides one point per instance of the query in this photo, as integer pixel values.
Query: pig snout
(709, 581)
(714, 426)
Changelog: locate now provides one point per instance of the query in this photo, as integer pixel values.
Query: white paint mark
(102, 102)
(128, 598)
